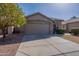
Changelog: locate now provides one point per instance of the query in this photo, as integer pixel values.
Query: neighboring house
(72, 23)
(38, 23)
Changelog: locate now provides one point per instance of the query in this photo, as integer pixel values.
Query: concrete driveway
(46, 45)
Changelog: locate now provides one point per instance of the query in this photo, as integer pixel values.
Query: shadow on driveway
(18, 38)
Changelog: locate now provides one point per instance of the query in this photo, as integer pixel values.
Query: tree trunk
(4, 34)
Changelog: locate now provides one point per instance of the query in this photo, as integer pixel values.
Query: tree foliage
(10, 15)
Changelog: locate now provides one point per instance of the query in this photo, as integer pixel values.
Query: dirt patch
(11, 44)
(71, 38)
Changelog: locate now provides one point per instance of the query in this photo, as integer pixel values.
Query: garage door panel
(37, 29)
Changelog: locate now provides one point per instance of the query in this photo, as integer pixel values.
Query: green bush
(60, 31)
(75, 31)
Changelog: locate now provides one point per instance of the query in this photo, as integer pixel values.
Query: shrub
(60, 31)
(75, 31)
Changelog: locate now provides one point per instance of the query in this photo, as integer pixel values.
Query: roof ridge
(40, 14)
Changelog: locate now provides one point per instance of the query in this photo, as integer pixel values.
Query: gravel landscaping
(71, 38)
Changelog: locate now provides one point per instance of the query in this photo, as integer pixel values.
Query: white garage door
(37, 29)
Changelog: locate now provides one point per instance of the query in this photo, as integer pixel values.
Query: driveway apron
(37, 45)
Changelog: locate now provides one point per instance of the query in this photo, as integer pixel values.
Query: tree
(74, 17)
(10, 15)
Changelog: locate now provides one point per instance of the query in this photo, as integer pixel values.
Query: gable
(39, 17)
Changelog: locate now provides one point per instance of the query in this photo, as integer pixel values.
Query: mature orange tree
(10, 15)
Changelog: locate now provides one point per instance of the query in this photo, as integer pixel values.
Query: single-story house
(72, 23)
(38, 23)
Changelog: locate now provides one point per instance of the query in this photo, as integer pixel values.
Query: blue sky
(56, 10)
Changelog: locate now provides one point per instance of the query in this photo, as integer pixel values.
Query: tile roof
(71, 20)
(40, 14)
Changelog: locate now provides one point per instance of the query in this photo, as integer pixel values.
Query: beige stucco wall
(59, 24)
(64, 26)
(10, 29)
(51, 28)
(38, 24)
(74, 25)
